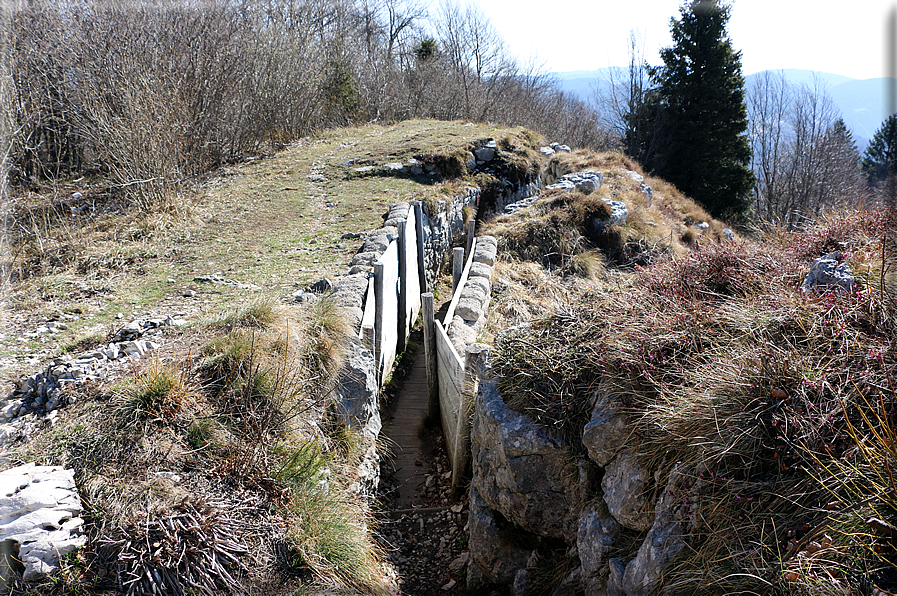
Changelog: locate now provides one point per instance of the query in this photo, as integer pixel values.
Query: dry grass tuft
(158, 393)
(232, 461)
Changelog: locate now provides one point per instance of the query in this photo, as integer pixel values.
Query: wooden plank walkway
(411, 453)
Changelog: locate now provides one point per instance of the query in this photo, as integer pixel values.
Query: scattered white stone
(635, 176)
(585, 182)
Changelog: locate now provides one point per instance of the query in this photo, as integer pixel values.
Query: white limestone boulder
(40, 511)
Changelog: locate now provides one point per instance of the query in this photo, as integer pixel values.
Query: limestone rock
(606, 431)
(349, 290)
(595, 538)
(357, 392)
(616, 572)
(624, 484)
(40, 510)
(474, 292)
(665, 541)
(648, 192)
(354, 315)
(469, 309)
(619, 214)
(521, 468)
(585, 182)
(398, 212)
(462, 334)
(521, 583)
(829, 274)
(376, 242)
(495, 557)
(368, 479)
(486, 153)
(485, 251)
(480, 270)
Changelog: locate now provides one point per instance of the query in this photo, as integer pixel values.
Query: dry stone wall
(528, 476)
(358, 390)
(527, 481)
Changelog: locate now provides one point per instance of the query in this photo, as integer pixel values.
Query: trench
(421, 529)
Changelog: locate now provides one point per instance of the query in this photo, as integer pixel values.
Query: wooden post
(477, 354)
(403, 289)
(457, 267)
(378, 316)
(471, 231)
(419, 232)
(367, 337)
(429, 322)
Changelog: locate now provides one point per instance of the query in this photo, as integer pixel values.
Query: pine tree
(880, 158)
(706, 153)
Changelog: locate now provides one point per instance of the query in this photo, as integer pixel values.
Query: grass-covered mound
(783, 401)
(557, 232)
(220, 471)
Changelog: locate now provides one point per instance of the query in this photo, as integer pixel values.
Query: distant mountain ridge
(861, 102)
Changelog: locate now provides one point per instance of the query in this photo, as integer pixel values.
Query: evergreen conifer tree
(705, 152)
(880, 157)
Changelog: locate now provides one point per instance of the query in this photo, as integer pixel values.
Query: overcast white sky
(845, 38)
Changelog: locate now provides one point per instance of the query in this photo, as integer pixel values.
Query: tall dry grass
(780, 403)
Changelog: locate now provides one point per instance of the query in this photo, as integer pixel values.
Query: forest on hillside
(151, 94)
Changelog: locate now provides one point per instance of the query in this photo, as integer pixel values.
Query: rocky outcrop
(594, 541)
(666, 538)
(521, 469)
(39, 517)
(829, 273)
(357, 405)
(497, 559)
(46, 391)
(357, 392)
(625, 484)
(523, 475)
(606, 431)
(586, 182)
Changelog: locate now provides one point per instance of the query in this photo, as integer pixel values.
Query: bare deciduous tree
(155, 92)
(803, 155)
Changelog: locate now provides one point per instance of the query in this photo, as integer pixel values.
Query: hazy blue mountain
(582, 82)
(861, 102)
(796, 76)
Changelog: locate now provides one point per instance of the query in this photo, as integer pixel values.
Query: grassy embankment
(213, 462)
(779, 403)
